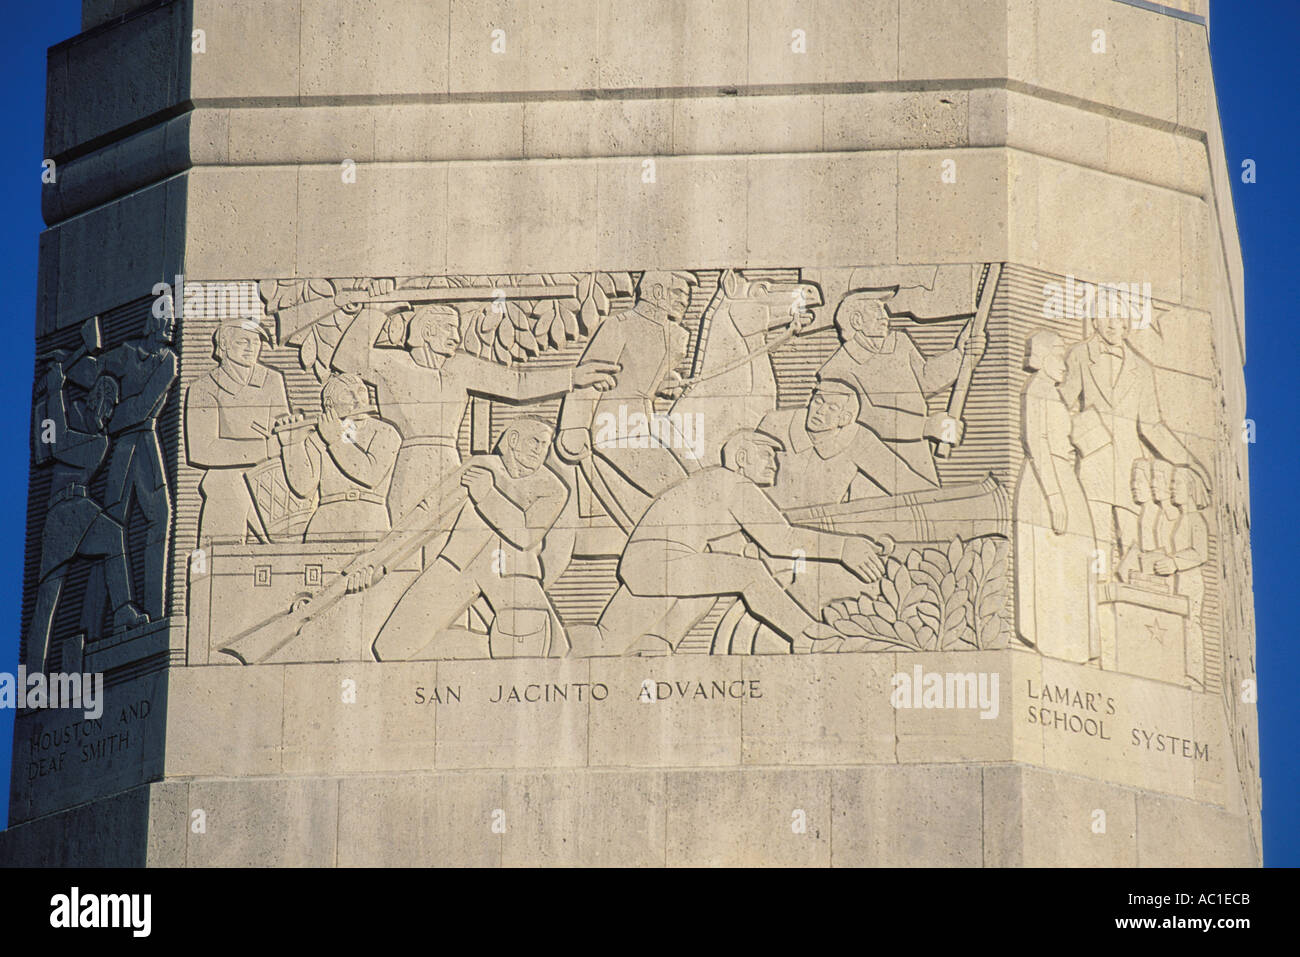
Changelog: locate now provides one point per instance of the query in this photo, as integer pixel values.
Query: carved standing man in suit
(1112, 390)
(647, 343)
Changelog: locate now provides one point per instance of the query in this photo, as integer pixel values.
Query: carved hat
(742, 437)
(862, 299)
(246, 323)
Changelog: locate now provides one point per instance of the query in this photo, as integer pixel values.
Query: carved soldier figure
(829, 456)
(701, 540)
(1112, 391)
(347, 454)
(892, 379)
(424, 389)
(493, 552)
(74, 524)
(229, 414)
(146, 369)
(646, 343)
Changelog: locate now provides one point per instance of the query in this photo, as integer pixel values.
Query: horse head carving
(732, 383)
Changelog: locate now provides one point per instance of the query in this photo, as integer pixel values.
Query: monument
(579, 432)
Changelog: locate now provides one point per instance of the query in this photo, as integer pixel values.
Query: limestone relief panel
(727, 461)
(100, 505)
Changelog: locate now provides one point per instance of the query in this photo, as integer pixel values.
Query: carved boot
(128, 616)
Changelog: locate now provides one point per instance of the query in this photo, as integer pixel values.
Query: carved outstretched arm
(882, 465)
(762, 521)
(938, 372)
(889, 423)
(580, 405)
(487, 378)
(1170, 448)
(205, 448)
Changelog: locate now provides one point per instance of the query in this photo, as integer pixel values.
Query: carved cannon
(963, 511)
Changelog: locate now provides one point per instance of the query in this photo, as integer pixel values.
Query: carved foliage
(510, 329)
(933, 600)
(510, 325)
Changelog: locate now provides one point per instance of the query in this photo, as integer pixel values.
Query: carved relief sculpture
(1054, 534)
(71, 439)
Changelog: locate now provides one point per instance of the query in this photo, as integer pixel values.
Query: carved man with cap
(830, 457)
(228, 418)
(347, 457)
(893, 379)
(701, 540)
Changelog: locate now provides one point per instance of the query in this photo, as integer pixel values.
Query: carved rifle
(257, 644)
(977, 344)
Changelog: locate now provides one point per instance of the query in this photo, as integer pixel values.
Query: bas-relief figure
(492, 552)
(229, 414)
(1054, 531)
(145, 370)
(609, 435)
(701, 540)
(894, 379)
(343, 459)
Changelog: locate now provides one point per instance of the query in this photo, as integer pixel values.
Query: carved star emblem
(1157, 632)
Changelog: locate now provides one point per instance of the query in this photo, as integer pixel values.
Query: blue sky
(1254, 47)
